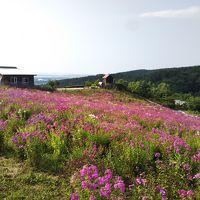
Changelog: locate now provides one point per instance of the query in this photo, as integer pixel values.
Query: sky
(99, 36)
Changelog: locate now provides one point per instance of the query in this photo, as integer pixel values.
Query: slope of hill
(65, 145)
(183, 79)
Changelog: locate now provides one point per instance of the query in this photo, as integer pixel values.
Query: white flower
(198, 133)
(92, 116)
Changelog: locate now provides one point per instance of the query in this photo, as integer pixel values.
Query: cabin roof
(13, 71)
(106, 75)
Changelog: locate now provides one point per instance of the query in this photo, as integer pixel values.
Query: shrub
(88, 83)
(141, 88)
(121, 84)
(194, 103)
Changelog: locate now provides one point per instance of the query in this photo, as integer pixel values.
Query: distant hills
(42, 79)
(182, 79)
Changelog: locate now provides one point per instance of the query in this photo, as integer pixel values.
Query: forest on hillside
(183, 79)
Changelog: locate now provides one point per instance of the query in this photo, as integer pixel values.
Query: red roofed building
(108, 80)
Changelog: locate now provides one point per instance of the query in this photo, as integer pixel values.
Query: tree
(53, 84)
(121, 84)
(161, 90)
(194, 103)
(142, 88)
(88, 83)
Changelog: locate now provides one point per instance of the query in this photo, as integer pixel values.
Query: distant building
(12, 76)
(108, 80)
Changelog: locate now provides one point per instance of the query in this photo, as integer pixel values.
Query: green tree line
(161, 93)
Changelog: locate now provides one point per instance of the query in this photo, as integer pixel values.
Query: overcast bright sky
(99, 36)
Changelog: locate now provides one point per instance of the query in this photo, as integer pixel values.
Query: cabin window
(25, 81)
(13, 80)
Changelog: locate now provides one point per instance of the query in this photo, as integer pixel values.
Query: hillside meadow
(95, 145)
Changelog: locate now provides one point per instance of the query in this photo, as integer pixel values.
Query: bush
(160, 91)
(35, 151)
(121, 84)
(194, 103)
(168, 102)
(141, 88)
(88, 83)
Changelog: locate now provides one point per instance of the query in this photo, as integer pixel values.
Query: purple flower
(186, 167)
(130, 187)
(190, 193)
(157, 155)
(21, 139)
(120, 184)
(120, 198)
(75, 196)
(101, 180)
(162, 191)
(186, 193)
(197, 176)
(3, 125)
(106, 191)
(196, 157)
(91, 172)
(84, 184)
(92, 186)
(92, 197)
(108, 174)
(105, 179)
(141, 181)
(189, 177)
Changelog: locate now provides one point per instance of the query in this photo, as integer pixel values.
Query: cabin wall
(1, 79)
(6, 80)
(108, 80)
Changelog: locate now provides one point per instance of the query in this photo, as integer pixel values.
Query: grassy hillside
(95, 144)
(183, 79)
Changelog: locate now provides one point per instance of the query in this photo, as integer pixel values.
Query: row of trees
(161, 93)
(145, 88)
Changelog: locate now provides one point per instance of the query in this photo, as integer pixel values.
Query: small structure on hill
(108, 80)
(12, 76)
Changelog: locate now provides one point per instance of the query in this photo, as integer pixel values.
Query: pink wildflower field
(107, 145)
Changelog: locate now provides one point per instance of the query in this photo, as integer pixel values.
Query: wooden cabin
(108, 80)
(12, 76)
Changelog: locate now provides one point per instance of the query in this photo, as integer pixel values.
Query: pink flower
(106, 191)
(75, 196)
(189, 177)
(186, 193)
(120, 184)
(157, 155)
(186, 167)
(141, 181)
(197, 176)
(84, 184)
(93, 197)
(130, 187)
(196, 157)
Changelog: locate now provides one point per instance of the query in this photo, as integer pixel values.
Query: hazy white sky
(99, 36)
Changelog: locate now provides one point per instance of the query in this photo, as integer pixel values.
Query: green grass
(17, 181)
